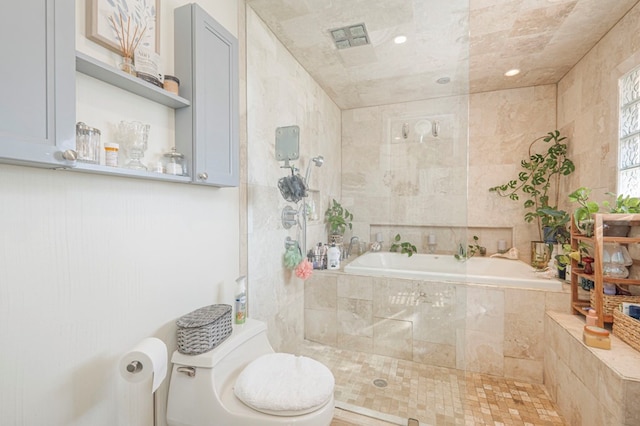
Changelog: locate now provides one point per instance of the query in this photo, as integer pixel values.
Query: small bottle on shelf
(591, 317)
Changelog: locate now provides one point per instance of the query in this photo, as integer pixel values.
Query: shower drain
(381, 383)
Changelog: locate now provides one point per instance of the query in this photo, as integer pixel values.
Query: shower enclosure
(401, 168)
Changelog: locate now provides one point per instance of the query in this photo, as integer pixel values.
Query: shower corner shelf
(104, 72)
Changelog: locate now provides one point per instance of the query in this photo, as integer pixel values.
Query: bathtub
(437, 267)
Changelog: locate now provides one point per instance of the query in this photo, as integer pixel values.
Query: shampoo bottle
(241, 300)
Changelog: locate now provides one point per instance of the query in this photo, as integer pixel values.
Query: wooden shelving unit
(597, 242)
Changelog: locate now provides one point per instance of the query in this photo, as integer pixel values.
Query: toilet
(243, 382)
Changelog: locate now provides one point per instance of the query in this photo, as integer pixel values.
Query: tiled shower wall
(281, 93)
(393, 182)
(477, 328)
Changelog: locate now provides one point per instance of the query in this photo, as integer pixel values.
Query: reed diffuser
(128, 40)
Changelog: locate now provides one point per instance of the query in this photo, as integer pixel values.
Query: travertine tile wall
(392, 180)
(427, 187)
(591, 386)
(281, 93)
(502, 125)
(588, 105)
(485, 329)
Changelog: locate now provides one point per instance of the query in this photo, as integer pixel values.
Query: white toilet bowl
(201, 388)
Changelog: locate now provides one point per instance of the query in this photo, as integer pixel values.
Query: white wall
(90, 265)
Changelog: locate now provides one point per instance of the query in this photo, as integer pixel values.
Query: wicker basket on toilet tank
(203, 329)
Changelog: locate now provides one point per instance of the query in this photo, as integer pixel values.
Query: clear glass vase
(127, 65)
(133, 135)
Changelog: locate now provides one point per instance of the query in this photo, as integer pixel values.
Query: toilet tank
(224, 362)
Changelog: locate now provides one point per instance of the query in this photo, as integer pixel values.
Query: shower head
(318, 161)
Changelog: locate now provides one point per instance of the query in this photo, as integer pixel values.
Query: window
(629, 137)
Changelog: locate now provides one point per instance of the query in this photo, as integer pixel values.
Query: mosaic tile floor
(433, 395)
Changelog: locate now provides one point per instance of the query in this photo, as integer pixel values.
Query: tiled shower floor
(433, 395)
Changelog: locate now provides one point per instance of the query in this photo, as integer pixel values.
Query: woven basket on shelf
(626, 328)
(203, 329)
(611, 302)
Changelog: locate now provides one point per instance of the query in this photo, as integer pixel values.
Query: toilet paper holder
(134, 367)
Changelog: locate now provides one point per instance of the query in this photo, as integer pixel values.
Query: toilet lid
(284, 384)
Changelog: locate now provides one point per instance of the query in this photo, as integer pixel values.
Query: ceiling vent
(350, 36)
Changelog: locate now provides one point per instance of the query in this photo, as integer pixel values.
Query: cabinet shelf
(124, 172)
(104, 72)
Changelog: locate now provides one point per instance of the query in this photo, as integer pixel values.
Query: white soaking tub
(438, 267)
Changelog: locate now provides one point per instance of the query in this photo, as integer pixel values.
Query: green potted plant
(539, 180)
(582, 215)
(563, 259)
(338, 220)
(471, 250)
(405, 247)
(554, 225)
(622, 204)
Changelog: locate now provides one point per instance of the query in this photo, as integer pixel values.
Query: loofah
(292, 257)
(304, 270)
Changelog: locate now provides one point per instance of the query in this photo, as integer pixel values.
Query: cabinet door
(206, 62)
(37, 108)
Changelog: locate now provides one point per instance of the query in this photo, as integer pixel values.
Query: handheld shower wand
(318, 161)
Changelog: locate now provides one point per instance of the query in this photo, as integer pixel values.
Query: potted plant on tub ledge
(338, 220)
(539, 183)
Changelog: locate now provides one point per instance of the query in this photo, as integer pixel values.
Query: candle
(379, 237)
(502, 246)
(431, 239)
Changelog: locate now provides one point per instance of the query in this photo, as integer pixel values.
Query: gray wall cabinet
(37, 108)
(206, 61)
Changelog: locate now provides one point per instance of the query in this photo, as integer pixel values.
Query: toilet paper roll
(148, 358)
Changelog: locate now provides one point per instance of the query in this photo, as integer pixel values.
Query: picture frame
(141, 12)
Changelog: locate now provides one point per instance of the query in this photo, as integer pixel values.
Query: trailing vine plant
(404, 246)
(539, 179)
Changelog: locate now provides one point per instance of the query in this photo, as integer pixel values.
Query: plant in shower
(471, 250)
(338, 218)
(539, 179)
(404, 246)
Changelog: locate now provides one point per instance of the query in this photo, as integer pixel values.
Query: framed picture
(112, 22)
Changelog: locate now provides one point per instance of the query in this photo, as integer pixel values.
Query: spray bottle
(241, 300)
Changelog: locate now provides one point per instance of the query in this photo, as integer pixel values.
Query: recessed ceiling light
(400, 39)
(512, 72)
(443, 80)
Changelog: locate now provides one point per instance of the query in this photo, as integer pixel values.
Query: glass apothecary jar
(614, 261)
(174, 163)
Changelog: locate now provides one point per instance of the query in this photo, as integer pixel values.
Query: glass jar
(174, 163)
(171, 84)
(613, 261)
(87, 143)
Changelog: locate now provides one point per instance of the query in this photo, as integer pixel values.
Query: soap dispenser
(333, 257)
(241, 300)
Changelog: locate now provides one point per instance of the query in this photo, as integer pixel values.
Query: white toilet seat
(284, 385)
